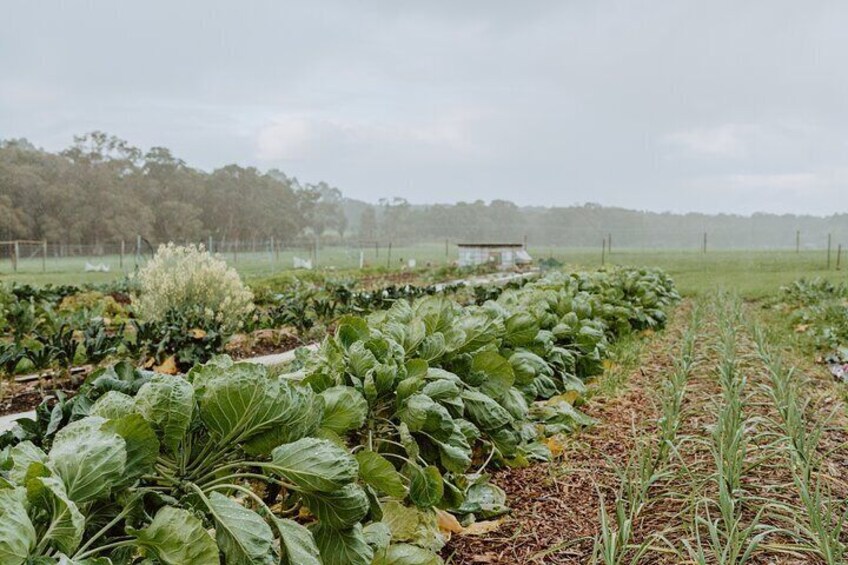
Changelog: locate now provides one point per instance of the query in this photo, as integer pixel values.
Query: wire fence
(24, 257)
(271, 255)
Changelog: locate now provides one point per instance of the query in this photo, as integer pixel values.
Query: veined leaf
(341, 508)
(22, 456)
(66, 523)
(167, 402)
(242, 535)
(177, 537)
(378, 536)
(426, 488)
(297, 544)
(406, 554)
(498, 371)
(484, 411)
(343, 547)
(141, 444)
(240, 402)
(344, 409)
(113, 404)
(351, 329)
(300, 419)
(376, 471)
(521, 328)
(89, 459)
(17, 534)
(314, 465)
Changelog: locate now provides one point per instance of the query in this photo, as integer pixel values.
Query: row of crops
(369, 453)
(60, 327)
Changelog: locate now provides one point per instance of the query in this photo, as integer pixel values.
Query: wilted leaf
(481, 528)
(448, 522)
(168, 366)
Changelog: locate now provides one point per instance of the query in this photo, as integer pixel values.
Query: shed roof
(490, 245)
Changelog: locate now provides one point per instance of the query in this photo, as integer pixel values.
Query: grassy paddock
(752, 274)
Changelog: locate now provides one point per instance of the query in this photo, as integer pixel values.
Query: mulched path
(554, 516)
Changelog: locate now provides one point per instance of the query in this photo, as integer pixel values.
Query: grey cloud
(708, 106)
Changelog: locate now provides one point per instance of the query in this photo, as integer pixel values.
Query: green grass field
(753, 274)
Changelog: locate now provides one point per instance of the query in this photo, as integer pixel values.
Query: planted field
(379, 446)
(577, 417)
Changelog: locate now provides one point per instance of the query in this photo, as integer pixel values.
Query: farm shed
(504, 255)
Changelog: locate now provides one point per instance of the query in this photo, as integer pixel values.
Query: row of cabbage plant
(366, 455)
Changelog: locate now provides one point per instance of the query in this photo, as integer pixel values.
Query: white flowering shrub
(191, 282)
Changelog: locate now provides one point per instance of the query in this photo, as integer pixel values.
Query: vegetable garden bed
(386, 439)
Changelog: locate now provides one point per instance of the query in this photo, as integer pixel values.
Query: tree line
(102, 189)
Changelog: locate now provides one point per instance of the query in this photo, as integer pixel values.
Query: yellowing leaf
(556, 445)
(448, 522)
(168, 367)
(197, 333)
(608, 364)
(569, 396)
(481, 528)
(801, 328)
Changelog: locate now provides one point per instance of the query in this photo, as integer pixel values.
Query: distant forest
(101, 189)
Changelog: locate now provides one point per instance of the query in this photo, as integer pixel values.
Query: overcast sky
(674, 105)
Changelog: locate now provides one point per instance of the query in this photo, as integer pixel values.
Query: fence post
(705, 242)
(389, 260)
(16, 251)
(829, 241)
(603, 251)
(797, 241)
(44, 256)
(121, 260)
(838, 255)
(235, 251)
(137, 250)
